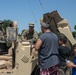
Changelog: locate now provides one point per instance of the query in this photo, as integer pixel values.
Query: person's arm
(38, 44)
(35, 36)
(23, 36)
(3, 30)
(70, 63)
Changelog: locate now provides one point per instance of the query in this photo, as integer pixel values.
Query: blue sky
(25, 11)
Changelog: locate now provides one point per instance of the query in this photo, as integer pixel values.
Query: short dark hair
(63, 38)
(45, 25)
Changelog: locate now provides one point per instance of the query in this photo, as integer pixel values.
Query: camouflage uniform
(32, 36)
(2, 38)
(2, 32)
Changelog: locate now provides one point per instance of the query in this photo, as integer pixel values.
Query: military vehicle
(21, 58)
(59, 26)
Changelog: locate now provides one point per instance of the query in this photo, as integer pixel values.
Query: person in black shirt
(64, 53)
(72, 63)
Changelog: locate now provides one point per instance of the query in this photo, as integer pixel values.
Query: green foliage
(74, 34)
(75, 27)
(19, 35)
(22, 31)
(6, 24)
(39, 33)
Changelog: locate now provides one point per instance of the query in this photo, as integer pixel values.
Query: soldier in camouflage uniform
(2, 38)
(30, 34)
(2, 31)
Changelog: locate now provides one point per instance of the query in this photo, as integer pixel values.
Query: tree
(19, 35)
(22, 31)
(75, 27)
(74, 32)
(39, 33)
(6, 24)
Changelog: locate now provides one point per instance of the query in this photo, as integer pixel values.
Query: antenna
(41, 5)
(33, 13)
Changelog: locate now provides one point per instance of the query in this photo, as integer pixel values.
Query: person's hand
(71, 64)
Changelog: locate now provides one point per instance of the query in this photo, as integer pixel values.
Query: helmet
(31, 24)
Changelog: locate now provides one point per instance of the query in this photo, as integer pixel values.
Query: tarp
(52, 18)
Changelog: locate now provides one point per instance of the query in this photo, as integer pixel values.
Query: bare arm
(38, 44)
(70, 63)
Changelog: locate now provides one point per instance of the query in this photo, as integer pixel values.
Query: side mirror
(11, 34)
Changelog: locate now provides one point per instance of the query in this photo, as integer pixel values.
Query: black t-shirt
(64, 53)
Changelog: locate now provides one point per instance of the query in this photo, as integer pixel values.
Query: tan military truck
(21, 57)
(59, 26)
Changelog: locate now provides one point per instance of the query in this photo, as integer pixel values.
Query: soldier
(2, 38)
(30, 34)
(2, 32)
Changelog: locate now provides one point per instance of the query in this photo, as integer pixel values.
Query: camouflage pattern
(31, 24)
(2, 33)
(64, 70)
(32, 36)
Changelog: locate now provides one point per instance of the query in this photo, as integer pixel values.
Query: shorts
(50, 71)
